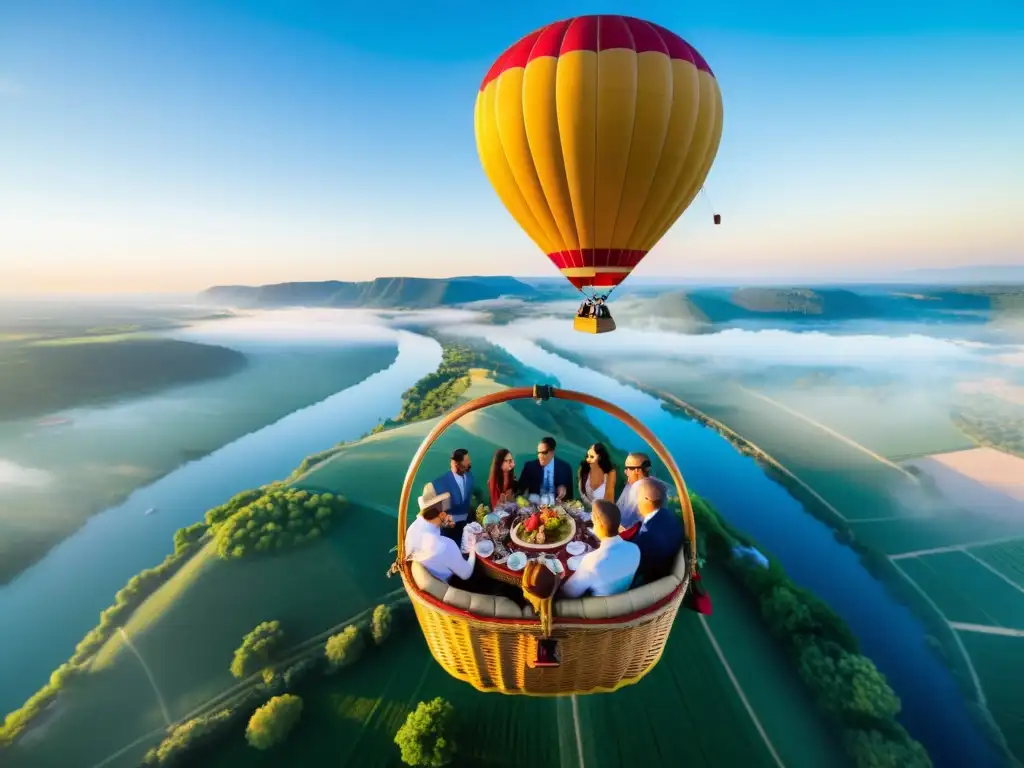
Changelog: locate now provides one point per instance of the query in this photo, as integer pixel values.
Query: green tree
(271, 723)
(185, 737)
(380, 624)
(344, 648)
(425, 738)
(848, 685)
(871, 749)
(256, 649)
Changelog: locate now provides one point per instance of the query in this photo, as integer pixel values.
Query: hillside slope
(381, 293)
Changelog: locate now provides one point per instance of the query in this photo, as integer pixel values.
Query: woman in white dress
(596, 476)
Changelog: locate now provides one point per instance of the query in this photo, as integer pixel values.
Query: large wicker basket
(497, 654)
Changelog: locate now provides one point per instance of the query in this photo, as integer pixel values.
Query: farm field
(999, 662)
(1007, 558)
(966, 591)
(352, 719)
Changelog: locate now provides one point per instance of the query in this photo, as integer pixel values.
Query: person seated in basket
(661, 533)
(596, 476)
(458, 483)
(425, 544)
(547, 474)
(638, 466)
(610, 568)
(502, 482)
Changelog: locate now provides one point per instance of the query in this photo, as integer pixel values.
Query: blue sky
(171, 145)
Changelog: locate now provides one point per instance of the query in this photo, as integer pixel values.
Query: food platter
(564, 532)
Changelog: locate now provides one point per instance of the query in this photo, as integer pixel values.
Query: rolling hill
(381, 293)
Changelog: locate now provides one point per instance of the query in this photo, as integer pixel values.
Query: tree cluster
(425, 738)
(279, 519)
(847, 685)
(380, 624)
(344, 648)
(991, 421)
(437, 392)
(257, 649)
(271, 723)
(186, 737)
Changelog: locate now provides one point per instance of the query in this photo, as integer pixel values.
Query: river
(934, 711)
(51, 605)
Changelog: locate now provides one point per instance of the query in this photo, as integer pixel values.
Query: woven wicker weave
(597, 655)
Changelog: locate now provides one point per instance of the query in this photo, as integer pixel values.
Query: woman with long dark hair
(596, 475)
(502, 480)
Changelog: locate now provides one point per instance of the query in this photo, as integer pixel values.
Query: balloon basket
(594, 324)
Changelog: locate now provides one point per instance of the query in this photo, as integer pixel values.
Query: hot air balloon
(597, 132)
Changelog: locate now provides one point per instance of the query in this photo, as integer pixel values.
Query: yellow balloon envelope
(597, 132)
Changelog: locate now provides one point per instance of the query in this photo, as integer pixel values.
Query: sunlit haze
(168, 147)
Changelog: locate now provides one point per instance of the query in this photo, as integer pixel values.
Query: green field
(109, 452)
(999, 662)
(188, 629)
(686, 710)
(1007, 558)
(966, 591)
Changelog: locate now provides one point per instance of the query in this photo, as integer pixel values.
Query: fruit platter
(547, 528)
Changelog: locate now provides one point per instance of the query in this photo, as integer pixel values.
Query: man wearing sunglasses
(638, 466)
(547, 474)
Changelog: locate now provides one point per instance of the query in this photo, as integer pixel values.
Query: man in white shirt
(638, 466)
(610, 568)
(425, 544)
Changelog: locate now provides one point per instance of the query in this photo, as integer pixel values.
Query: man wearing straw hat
(425, 544)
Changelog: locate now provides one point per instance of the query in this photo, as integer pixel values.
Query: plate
(555, 566)
(574, 562)
(575, 547)
(516, 561)
(485, 548)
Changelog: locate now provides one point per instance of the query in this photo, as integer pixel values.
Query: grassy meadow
(187, 630)
(106, 453)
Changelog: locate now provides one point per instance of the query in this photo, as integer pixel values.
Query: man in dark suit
(458, 482)
(661, 531)
(547, 473)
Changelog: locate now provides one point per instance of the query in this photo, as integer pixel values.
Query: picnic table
(499, 533)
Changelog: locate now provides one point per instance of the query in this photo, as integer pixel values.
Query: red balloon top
(595, 33)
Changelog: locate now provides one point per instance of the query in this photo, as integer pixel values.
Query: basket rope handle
(543, 392)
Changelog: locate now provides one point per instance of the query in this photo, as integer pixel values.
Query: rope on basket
(539, 587)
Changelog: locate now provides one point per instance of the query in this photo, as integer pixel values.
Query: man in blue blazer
(661, 531)
(458, 482)
(547, 473)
